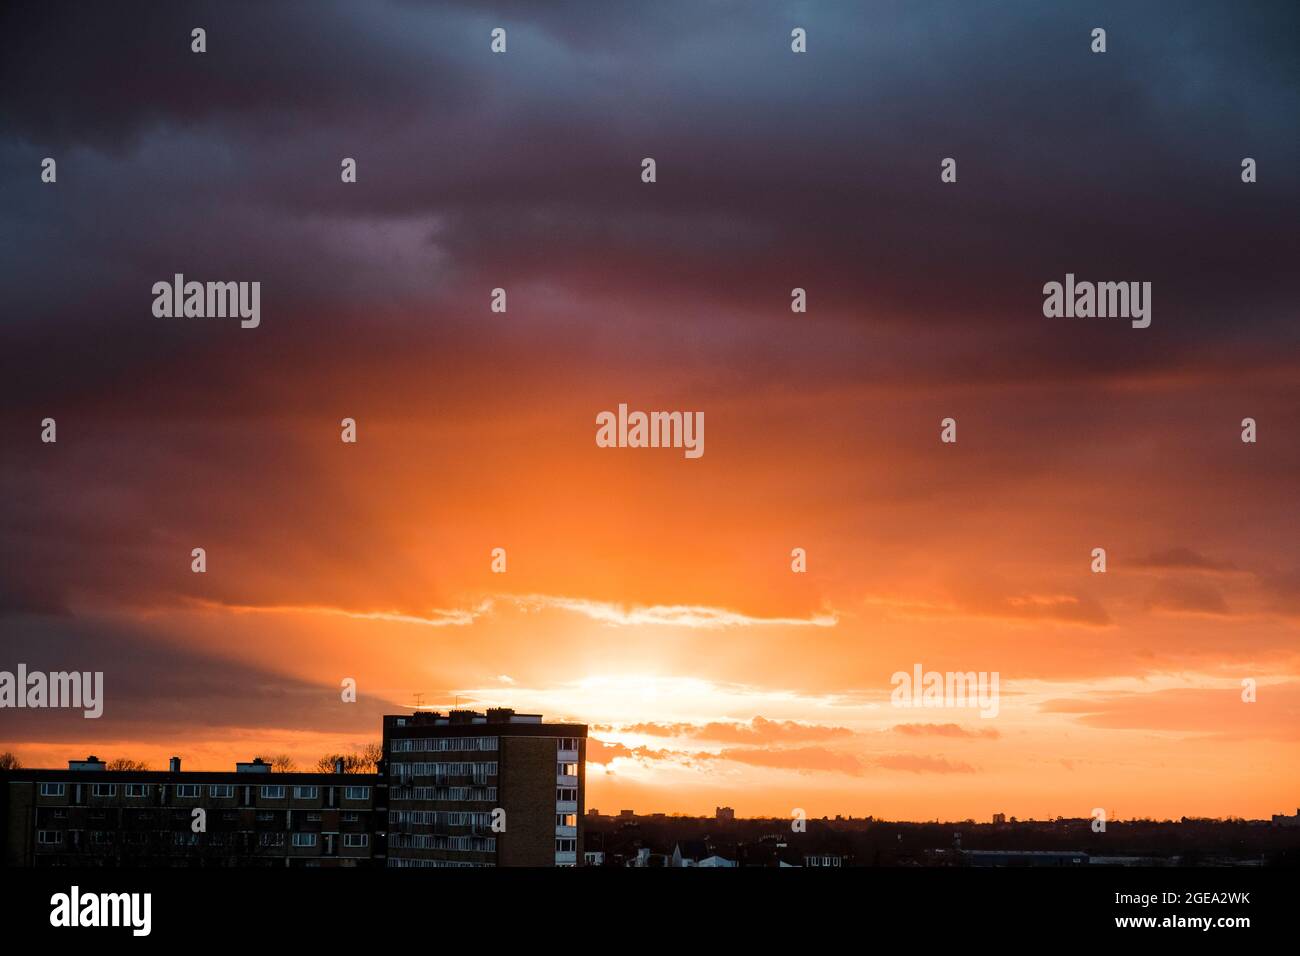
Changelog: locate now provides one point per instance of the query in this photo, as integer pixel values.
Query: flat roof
(440, 725)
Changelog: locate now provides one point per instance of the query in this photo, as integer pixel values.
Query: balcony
(566, 780)
(566, 859)
(567, 756)
(566, 832)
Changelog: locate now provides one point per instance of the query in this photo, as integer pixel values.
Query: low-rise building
(88, 815)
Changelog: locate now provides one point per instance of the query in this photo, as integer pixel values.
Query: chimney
(174, 765)
(338, 764)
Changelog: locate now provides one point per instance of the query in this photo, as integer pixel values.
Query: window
(51, 790)
(104, 790)
(568, 743)
(49, 837)
(567, 845)
(480, 771)
(305, 793)
(304, 839)
(356, 839)
(356, 793)
(101, 837)
(566, 819)
(265, 816)
(441, 818)
(137, 790)
(313, 818)
(567, 769)
(221, 790)
(438, 841)
(564, 794)
(273, 793)
(187, 791)
(351, 817)
(459, 794)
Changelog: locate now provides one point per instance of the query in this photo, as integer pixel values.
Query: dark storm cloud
(476, 171)
(107, 76)
(148, 686)
(774, 169)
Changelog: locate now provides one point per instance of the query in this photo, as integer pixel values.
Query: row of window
(479, 771)
(441, 818)
(61, 813)
(352, 840)
(432, 744)
(183, 838)
(566, 845)
(565, 794)
(444, 794)
(566, 819)
(192, 790)
(406, 863)
(566, 769)
(312, 793)
(438, 841)
(435, 744)
(266, 816)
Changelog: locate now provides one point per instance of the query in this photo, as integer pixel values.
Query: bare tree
(365, 760)
(280, 763)
(368, 757)
(126, 763)
(9, 761)
(326, 763)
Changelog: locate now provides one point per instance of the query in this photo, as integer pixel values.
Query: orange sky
(648, 594)
(652, 597)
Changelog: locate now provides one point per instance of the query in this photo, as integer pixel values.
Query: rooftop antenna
(419, 701)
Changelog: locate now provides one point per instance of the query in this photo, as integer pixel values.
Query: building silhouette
(88, 815)
(491, 789)
(454, 790)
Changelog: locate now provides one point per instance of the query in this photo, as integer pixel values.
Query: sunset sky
(649, 595)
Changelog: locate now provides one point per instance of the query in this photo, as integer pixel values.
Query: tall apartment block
(483, 789)
(88, 815)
